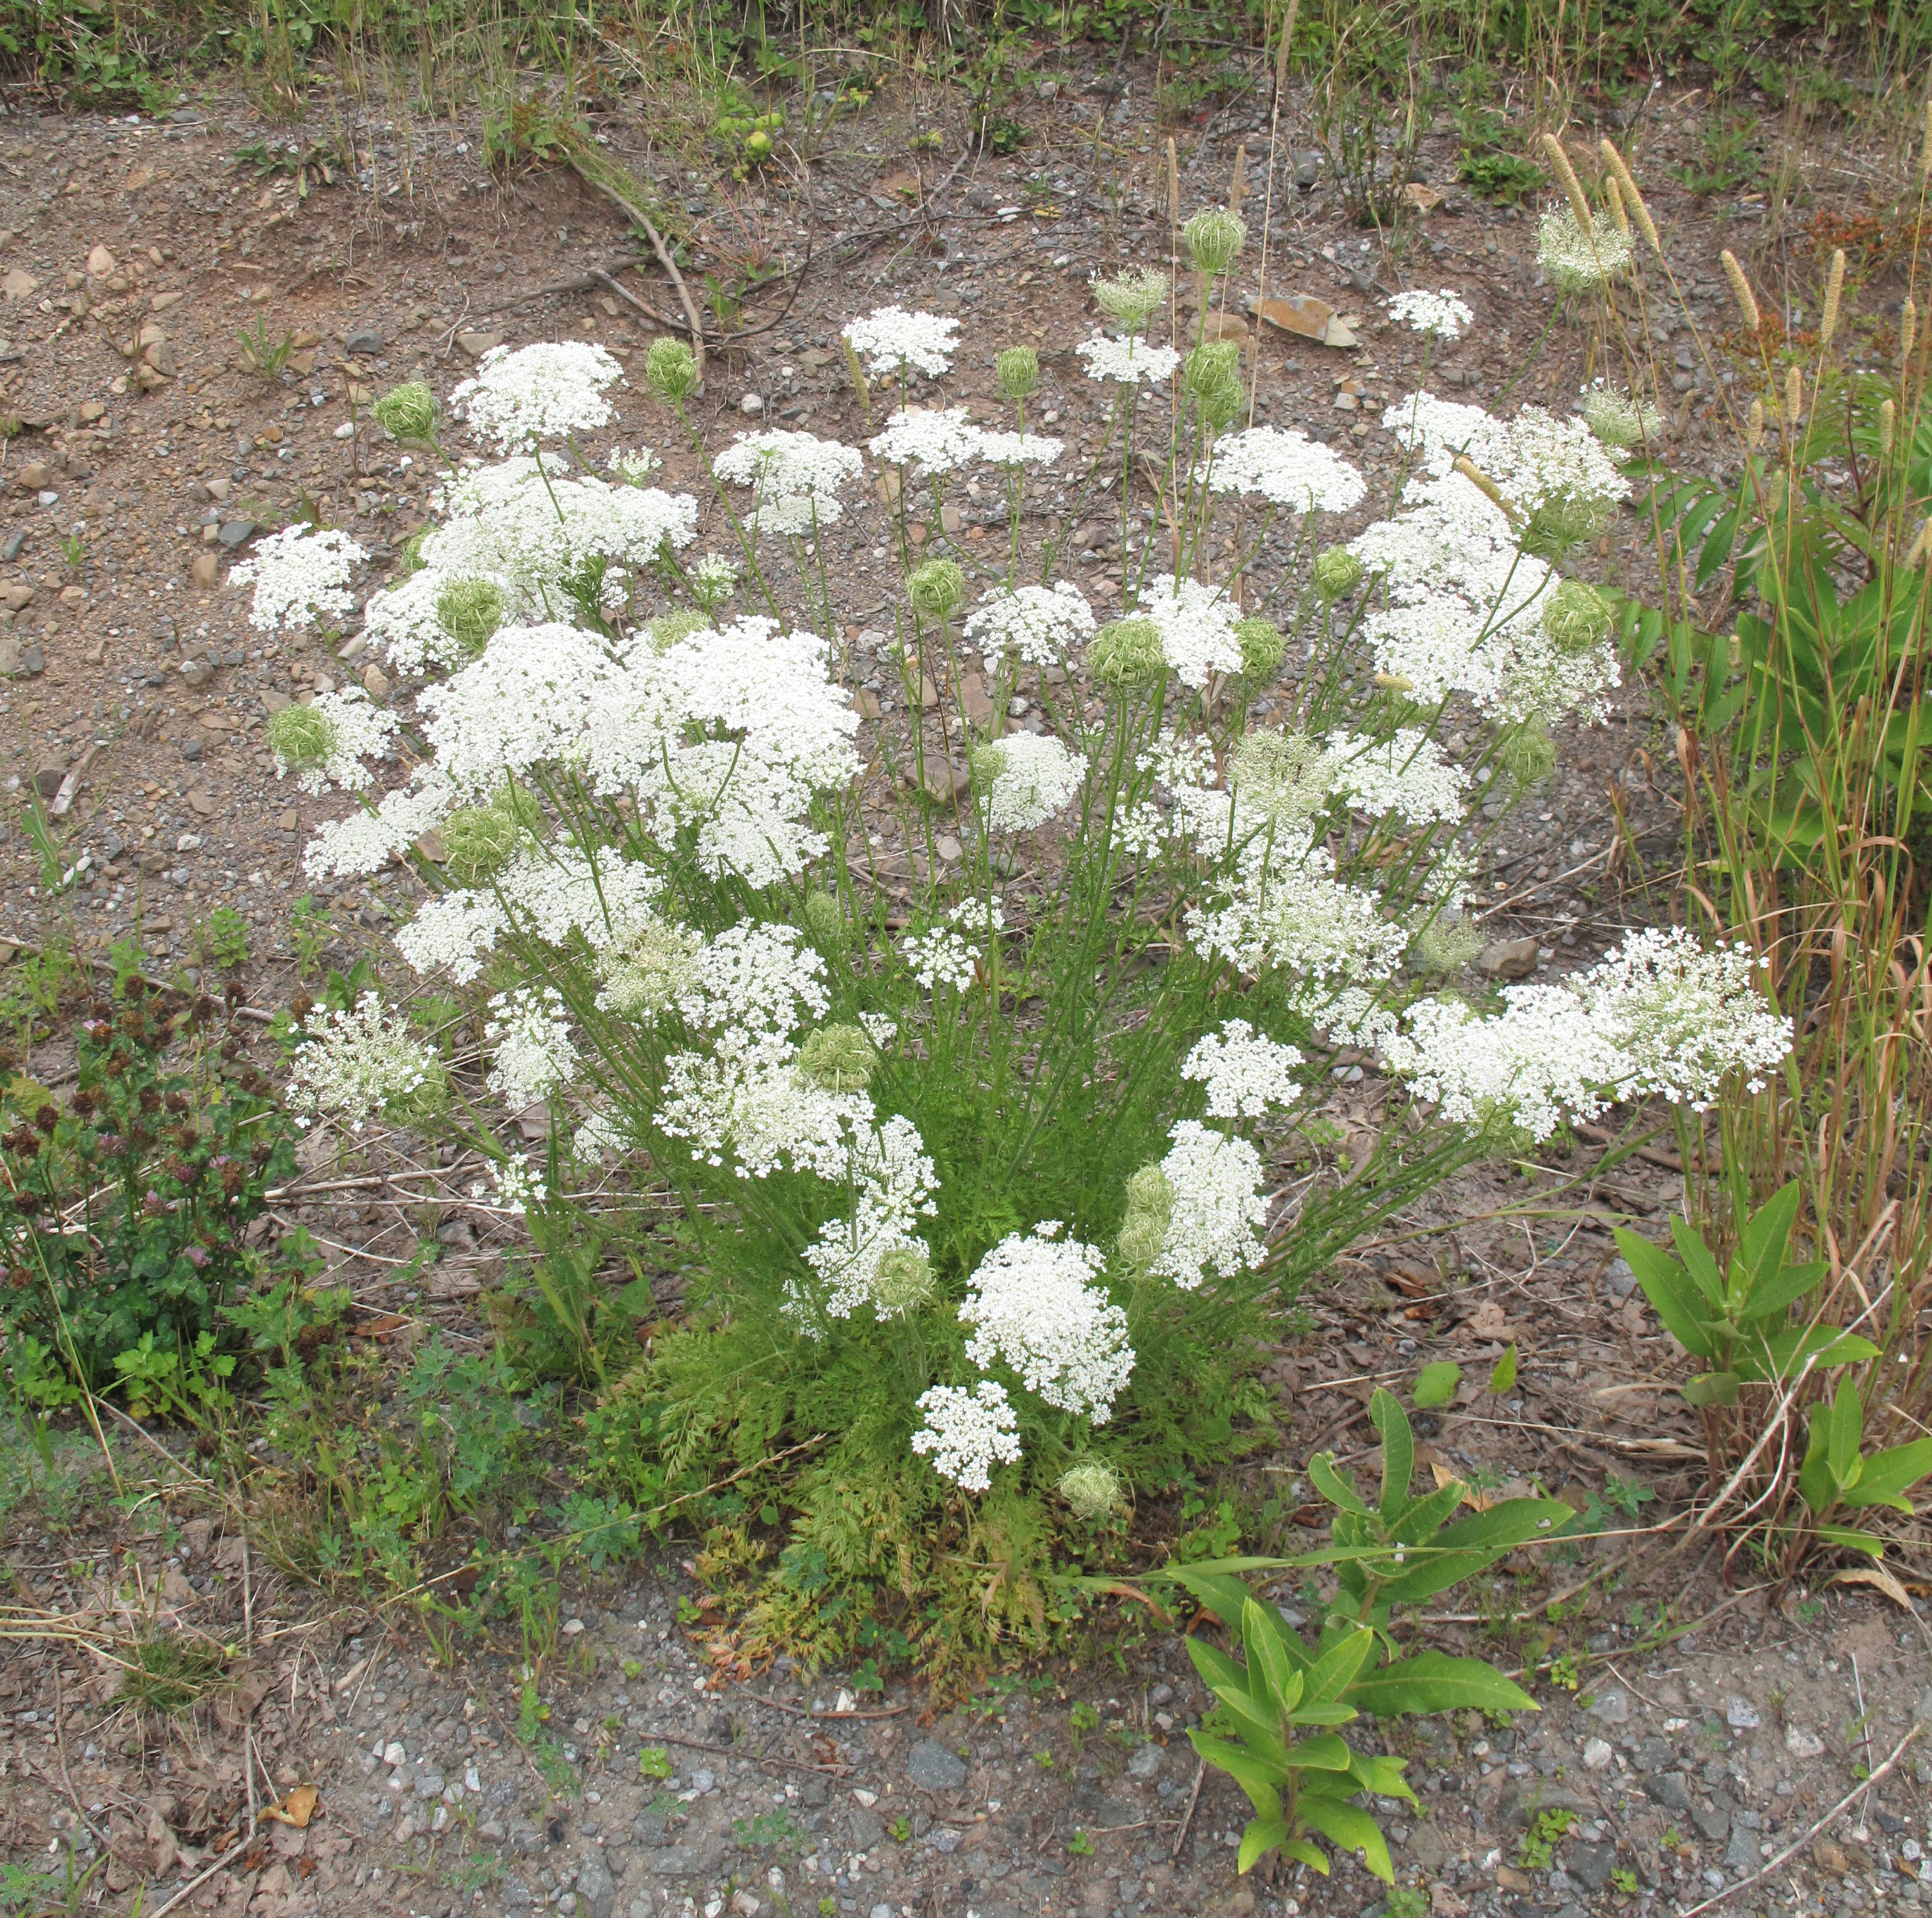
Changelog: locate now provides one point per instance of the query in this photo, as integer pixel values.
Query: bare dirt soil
(134, 257)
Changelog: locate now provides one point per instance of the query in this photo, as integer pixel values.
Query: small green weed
(169, 1674)
(310, 932)
(1080, 1845)
(221, 939)
(1405, 1901)
(264, 358)
(1540, 1841)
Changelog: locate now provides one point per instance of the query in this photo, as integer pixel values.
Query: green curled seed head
(1018, 370)
(300, 737)
(1214, 239)
(409, 411)
(470, 611)
(1262, 646)
(478, 842)
(1093, 1490)
(837, 1058)
(670, 370)
(904, 1283)
(1529, 754)
(1577, 617)
(1151, 1194)
(824, 920)
(1126, 654)
(1337, 573)
(937, 589)
(668, 628)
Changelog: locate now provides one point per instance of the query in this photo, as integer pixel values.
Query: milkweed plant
(987, 1063)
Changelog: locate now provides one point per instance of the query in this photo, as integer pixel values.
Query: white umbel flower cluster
(1196, 625)
(892, 341)
(1037, 777)
(1287, 469)
(1035, 1306)
(1407, 774)
(299, 575)
(966, 1434)
(940, 440)
(1040, 624)
(524, 394)
(352, 1067)
(1444, 315)
(535, 1055)
(1663, 1017)
(1009, 448)
(1245, 1073)
(794, 477)
(1128, 362)
(1214, 1230)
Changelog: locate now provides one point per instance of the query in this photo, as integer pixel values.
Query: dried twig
(1187, 1817)
(588, 177)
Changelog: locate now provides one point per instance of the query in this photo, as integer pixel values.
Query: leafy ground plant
(1795, 680)
(160, 1160)
(959, 1077)
(1274, 1732)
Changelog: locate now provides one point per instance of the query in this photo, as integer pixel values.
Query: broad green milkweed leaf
(1398, 1450)
(1502, 1374)
(1333, 1487)
(1261, 1836)
(1436, 1385)
(1889, 1474)
(1672, 1297)
(1352, 1829)
(1435, 1682)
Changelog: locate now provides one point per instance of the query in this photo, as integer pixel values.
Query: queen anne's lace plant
(1035, 1305)
(299, 575)
(940, 440)
(530, 530)
(1445, 315)
(353, 1068)
(1621, 421)
(966, 1434)
(1128, 362)
(1214, 1227)
(525, 394)
(941, 958)
(892, 340)
(1246, 1071)
(1661, 1017)
(324, 743)
(1465, 603)
(515, 1184)
(535, 1054)
(1532, 458)
(1580, 262)
(1041, 625)
(1287, 469)
(1034, 776)
(1285, 910)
